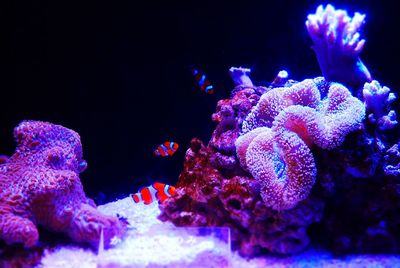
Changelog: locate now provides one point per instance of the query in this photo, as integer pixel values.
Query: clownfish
(202, 81)
(167, 148)
(157, 191)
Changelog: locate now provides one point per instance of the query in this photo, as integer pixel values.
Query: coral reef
(40, 185)
(287, 165)
(296, 161)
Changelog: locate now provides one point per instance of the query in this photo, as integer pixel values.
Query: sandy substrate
(152, 243)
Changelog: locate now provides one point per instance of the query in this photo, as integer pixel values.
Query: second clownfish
(167, 148)
(156, 192)
(203, 82)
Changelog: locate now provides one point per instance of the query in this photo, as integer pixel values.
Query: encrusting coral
(40, 185)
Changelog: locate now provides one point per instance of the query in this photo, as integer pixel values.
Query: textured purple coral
(337, 44)
(280, 129)
(378, 100)
(284, 167)
(274, 101)
(40, 185)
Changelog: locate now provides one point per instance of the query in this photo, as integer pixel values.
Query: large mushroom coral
(281, 128)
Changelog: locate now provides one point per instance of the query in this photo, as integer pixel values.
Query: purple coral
(280, 159)
(242, 144)
(378, 100)
(337, 44)
(40, 185)
(283, 166)
(274, 101)
(283, 126)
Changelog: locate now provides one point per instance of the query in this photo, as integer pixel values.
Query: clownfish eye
(82, 165)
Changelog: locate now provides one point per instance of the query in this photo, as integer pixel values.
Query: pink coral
(328, 124)
(272, 102)
(284, 167)
(40, 185)
(243, 142)
(278, 154)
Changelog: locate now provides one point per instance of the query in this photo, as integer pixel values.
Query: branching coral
(378, 100)
(39, 185)
(337, 44)
(284, 124)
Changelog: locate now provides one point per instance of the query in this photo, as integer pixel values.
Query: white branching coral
(337, 28)
(337, 44)
(378, 100)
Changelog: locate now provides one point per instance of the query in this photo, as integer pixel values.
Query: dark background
(117, 72)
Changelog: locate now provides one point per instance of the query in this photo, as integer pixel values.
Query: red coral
(40, 185)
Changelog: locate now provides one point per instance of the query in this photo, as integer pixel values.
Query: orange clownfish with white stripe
(157, 191)
(167, 148)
